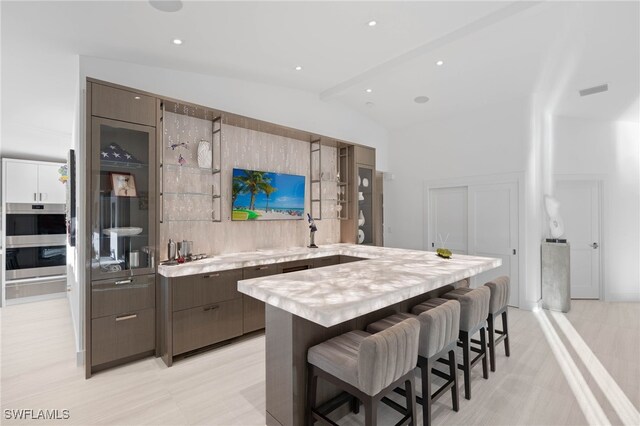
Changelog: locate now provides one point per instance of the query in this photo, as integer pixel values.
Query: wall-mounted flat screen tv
(260, 195)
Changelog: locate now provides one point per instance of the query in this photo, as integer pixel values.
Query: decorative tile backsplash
(241, 148)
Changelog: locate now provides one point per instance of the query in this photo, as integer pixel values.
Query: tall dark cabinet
(121, 176)
(363, 222)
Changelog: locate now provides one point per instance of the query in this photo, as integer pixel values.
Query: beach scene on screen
(259, 195)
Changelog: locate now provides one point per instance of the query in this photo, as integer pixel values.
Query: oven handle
(59, 241)
(38, 279)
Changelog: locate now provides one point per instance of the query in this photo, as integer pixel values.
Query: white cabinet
(50, 189)
(33, 182)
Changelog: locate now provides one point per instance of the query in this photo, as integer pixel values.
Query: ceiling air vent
(595, 89)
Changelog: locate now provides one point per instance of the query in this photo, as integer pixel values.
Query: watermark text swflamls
(31, 414)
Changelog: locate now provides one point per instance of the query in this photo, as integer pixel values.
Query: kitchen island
(308, 307)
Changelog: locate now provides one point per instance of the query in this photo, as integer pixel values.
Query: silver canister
(134, 259)
(171, 250)
(186, 248)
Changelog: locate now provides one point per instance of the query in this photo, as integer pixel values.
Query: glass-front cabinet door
(365, 205)
(123, 207)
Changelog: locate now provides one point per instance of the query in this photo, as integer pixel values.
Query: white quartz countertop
(229, 261)
(334, 294)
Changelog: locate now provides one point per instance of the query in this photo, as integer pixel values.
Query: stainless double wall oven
(35, 241)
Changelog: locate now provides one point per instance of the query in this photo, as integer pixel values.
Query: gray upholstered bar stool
(474, 308)
(498, 302)
(439, 327)
(365, 366)
(498, 306)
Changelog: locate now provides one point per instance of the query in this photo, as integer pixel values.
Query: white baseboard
(623, 297)
(39, 298)
(530, 305)
(80, 358)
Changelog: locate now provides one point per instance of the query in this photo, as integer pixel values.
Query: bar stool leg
(370, 411)
(409, 386)
(483, 345)
(355, 405)
(312, 385)
(453, 371)
(492, 342)
(425, 373)
(466, 363)
(505, 329)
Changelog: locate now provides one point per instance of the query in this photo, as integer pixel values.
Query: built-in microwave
(31, 224)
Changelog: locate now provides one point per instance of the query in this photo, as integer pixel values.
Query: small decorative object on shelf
(312, 232)
(365, 182)
(360, 236)
(204, 154)
(123, 184)
(361, 219)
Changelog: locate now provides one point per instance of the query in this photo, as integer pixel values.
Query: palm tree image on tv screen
(260, 195)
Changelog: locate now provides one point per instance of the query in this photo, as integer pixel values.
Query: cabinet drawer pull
(262, 268)
(124, 282)
(211, 276)
(126, 317)
(35, 197)
(211, 308)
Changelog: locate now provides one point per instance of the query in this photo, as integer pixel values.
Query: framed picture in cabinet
(123, 184)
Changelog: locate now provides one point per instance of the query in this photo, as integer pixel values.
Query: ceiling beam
(458, 34)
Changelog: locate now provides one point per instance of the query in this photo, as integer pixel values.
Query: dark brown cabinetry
(362, 223)
(123, 320)
(253, 309)
(199, 310)
(326, 261)
(121, 226)
(205, 309)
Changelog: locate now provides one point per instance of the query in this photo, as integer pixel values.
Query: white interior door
(580, 211)
(493, 231)
(448, 219)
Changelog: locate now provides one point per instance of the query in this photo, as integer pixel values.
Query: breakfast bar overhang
(305, 308)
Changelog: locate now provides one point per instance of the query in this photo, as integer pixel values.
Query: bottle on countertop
(171, 250)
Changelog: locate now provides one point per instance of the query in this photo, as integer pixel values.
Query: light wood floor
(226, 386)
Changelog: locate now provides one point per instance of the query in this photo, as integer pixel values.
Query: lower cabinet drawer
(198, 327)
(253, 316)
(114, 297)
(120, 336)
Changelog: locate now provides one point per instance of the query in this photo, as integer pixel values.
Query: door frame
(601, 184)
(518, 179)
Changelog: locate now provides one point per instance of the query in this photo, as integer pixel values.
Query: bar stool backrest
(439, 328)
(499, 293)
(386, 356)
(474, 307)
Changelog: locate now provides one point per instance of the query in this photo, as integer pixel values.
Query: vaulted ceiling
(492, 51)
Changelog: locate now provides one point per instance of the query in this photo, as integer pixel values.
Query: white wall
(610, 150)
(469, 147)
(481, 142)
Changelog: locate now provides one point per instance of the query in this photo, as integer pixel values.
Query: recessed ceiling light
(368, 90)
(176, 41)
(136, 97)
(372, 23)
(166, 5)
(298, 68)
(440, 63)
(421, 99)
